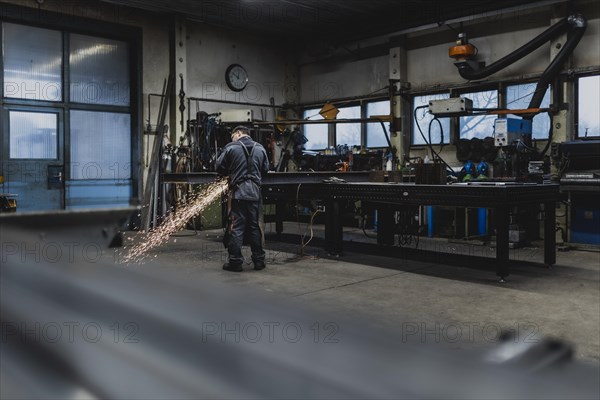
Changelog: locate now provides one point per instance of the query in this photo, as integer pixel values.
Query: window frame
(501, 87)
(361, 110)
(504, 101)
(63, 80)
(366, 127)
(576, 108)
(332, 127)
(414, 132)
(465, 93)
(59, 131)
(304, 132)
(72, 177)
(67, 25)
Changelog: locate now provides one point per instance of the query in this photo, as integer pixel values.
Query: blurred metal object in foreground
(47, 229)
(77, 326)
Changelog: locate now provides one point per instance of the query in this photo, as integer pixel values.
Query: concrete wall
(330, 80)
(430, 66)
(211, 50)
(588, 51)
(207, 52)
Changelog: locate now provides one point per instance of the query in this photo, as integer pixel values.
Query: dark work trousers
(245, 223)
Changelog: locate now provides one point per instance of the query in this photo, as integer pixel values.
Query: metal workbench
(272, 178)
(286, 188)
(390, 196)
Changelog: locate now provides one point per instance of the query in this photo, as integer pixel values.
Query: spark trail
(175, 221)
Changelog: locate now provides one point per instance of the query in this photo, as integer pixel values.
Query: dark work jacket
(232, 162)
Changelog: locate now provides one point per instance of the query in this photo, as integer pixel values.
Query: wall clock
(236, 77)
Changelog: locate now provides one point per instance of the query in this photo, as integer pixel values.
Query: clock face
(236, 77)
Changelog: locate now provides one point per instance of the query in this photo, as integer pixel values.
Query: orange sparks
(175, 221)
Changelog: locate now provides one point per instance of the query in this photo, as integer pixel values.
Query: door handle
(55, 176)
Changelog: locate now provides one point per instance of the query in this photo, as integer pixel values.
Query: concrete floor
(460, 305)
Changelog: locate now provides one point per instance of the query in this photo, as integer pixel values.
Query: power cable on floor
(302, 244)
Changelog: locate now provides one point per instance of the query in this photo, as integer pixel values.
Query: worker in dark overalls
(245, 162)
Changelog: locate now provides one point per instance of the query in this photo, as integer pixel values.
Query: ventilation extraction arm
(577, 24)
(574, 23)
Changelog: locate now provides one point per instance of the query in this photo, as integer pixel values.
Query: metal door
(33, 157)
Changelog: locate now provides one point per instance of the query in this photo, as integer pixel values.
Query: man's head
(239, 132)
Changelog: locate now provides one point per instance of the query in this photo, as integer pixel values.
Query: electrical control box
(233, 116)
(509, 130)
(454, 107)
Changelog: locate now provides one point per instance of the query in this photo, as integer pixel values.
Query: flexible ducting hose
(575, 22)
(579, 25)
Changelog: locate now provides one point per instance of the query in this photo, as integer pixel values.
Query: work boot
(259, 266)
(233, 267)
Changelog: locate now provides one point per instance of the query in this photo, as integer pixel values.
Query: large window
(348, 133)
(518, 98)
(33, 135)
(423, 118)
(588, 116)
(375, 132)
(32, 63)
(351, 133)
(83, 129)
(100, 145)
(99, 71)
(480, 126)
(317, 134)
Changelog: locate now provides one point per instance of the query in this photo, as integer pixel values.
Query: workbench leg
(385, 225)
(550, 233)
(430, 221)
(334, 232)
(502, 223)
(279, 214)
